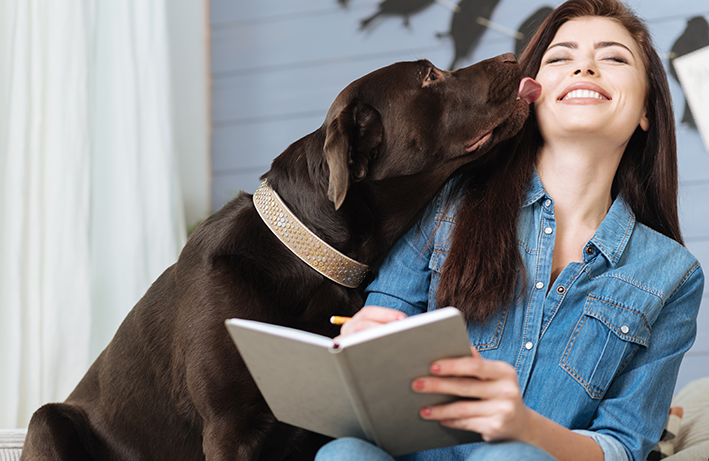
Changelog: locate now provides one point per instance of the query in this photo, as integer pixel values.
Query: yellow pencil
(337, 320)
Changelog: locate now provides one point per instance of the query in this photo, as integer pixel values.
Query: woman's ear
(644, 121)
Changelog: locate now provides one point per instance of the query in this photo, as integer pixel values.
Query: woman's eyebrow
(609, 44)
(572, 45)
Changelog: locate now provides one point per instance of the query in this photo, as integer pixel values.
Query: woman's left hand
(498, 414)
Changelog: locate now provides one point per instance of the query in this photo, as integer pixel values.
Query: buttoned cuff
(612, 449)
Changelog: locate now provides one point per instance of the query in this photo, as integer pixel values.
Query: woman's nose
(586, 67)
(589, 71)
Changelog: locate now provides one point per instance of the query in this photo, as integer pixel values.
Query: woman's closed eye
(556, 59)
(616, 58)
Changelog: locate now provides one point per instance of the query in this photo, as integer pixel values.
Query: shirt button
(547, 203)
(589, 250)
(625, 329)
(539, 285)
(548, 230)
(560, 290)
(529, 345)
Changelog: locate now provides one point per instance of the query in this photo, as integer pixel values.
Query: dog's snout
(509, 57)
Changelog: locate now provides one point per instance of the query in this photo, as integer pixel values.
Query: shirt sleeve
(404, 278)
(636, 405)
(612, 449)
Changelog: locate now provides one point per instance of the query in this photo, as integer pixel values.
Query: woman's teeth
(577, 94)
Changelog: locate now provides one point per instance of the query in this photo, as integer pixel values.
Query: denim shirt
(598, 351)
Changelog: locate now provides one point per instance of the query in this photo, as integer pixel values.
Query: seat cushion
(11, 441)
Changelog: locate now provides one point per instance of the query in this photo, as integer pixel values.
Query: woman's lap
(351, 449)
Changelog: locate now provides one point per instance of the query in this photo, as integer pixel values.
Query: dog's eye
(431, 75)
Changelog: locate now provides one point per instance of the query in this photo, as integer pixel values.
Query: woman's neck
(579, 179)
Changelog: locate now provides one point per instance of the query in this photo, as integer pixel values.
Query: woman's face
(593, 82)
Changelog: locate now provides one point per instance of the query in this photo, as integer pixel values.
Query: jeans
(351, 449)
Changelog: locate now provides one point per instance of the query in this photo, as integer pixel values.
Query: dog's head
(412, 117)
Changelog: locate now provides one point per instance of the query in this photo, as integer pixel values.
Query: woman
(566, 258)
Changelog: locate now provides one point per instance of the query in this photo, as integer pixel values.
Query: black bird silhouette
(530, 26)
(405, 8)
(343, 2)
(695, 36)
(465, 28)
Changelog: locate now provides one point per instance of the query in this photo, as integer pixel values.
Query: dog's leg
(235, 418)
(60, 432)
(229, 439)
(290, 443)
(268, 441)
(241, 427)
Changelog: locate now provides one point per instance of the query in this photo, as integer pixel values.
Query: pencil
(337, 320)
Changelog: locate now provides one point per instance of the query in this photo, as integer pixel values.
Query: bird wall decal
(403, 8)
(465, 29)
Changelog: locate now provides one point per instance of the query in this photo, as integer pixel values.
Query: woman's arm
(404, 280)
(500, 412)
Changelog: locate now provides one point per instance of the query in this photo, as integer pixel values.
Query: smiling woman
(592, 104)
(591, 85)
(552, 253)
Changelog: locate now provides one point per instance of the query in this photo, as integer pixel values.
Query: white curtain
(90, 206)
(138, 225)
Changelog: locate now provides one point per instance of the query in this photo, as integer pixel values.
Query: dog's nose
(509, 57)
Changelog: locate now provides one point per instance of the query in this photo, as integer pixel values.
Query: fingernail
(418, 384)
(425, 412)
(436, 368)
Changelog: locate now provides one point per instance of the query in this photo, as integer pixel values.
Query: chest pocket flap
(605, 338)
(627, 324)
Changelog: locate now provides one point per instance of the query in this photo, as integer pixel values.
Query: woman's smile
(584, 93)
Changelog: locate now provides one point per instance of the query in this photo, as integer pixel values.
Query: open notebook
(361, 385)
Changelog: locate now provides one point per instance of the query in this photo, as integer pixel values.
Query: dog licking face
(171, 385)
(436, 116)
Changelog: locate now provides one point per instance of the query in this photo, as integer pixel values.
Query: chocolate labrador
(171, 385)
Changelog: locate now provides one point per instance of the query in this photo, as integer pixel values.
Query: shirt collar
(612, 235)
(535, 190)
(614, 232)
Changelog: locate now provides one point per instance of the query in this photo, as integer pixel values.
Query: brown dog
(171, 385)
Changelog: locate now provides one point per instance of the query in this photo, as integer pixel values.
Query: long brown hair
(484, 266)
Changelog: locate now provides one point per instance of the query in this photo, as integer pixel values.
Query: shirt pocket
(605, 338)
(484, 336)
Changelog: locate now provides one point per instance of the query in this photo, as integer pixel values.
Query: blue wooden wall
(277, 65)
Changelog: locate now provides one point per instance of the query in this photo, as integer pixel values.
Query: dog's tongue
(529, 90)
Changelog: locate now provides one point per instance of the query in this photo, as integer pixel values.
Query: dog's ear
(351, 143)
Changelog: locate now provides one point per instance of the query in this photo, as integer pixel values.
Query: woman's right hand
(370, 316)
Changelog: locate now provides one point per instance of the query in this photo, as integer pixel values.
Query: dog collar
(305, 244)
